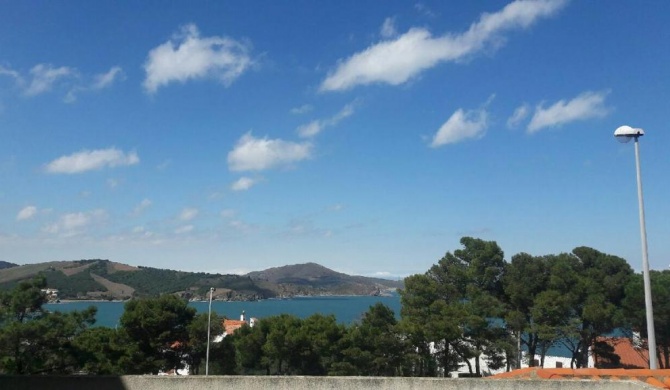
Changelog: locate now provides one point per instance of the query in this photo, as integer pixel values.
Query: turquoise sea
(347, 309)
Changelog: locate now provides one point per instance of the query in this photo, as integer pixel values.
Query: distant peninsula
(97, 279)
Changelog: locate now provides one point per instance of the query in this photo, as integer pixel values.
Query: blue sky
(362, 135)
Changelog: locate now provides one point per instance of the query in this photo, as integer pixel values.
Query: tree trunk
(532, 349)
(518, 351)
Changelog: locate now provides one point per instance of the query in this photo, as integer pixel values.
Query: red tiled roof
(657, 378)
(231, 326)
(631, 356)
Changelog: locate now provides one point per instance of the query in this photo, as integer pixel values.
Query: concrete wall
(297, 383)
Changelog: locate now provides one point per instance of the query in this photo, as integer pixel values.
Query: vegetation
(470, 306)
(103, 279)
(5, 264)
(33, 341)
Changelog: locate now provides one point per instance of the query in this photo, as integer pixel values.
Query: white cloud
(44, 76)
(144, 204)
(396, 61)
(73, 223)
(519, 115)
(585, 106)
(315, 127)
(424, 10)
(243, 184)
(100, 81)
(227, 213)
(242, 227)
(388, 29)
(461, 126)
(26, 213)
(310, 129)
(305, 108)
(189, 56)
(11, 73)
(256, 154)
(188, 214)
(105, 80)
(88, 160)
(112, 183)
(184, 229)
(336, 207)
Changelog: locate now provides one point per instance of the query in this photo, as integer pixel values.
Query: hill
(5, 264)
(104, 279)
(315, 279)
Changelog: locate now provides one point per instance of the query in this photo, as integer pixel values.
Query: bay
(347, 309)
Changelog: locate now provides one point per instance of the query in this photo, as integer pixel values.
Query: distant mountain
(5, 264)
(315, 279)
(104, 279)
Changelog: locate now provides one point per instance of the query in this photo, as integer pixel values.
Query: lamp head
(624, 134)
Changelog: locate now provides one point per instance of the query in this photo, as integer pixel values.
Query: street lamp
(624, 134)
(209, 327)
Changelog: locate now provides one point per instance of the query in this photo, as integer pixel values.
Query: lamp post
(209, 327)
(625, 134)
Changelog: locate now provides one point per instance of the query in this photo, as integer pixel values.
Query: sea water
(346, 309)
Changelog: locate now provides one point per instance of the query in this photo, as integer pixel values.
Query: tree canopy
(470, 307)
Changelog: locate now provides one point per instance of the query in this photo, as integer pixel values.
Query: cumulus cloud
(460, 126)
(396, 61)
(26, 213)
(88, 160)
(44, 76)
(188, 214)
(315, 127)
(74, 223)
(243, 184)
(257, 154)
(188, 56)
(388, 29)
(587, 105)
(519, 115)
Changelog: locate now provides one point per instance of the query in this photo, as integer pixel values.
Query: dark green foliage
(592, 284)
(159, 328)
(33, 341)
(103, 351)
(526, 278)
(452, 315)
(74, 286)
(374, 347)
(451, 305)
(197, 344)
(634, 305)
(249, 346)
(153, 281)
